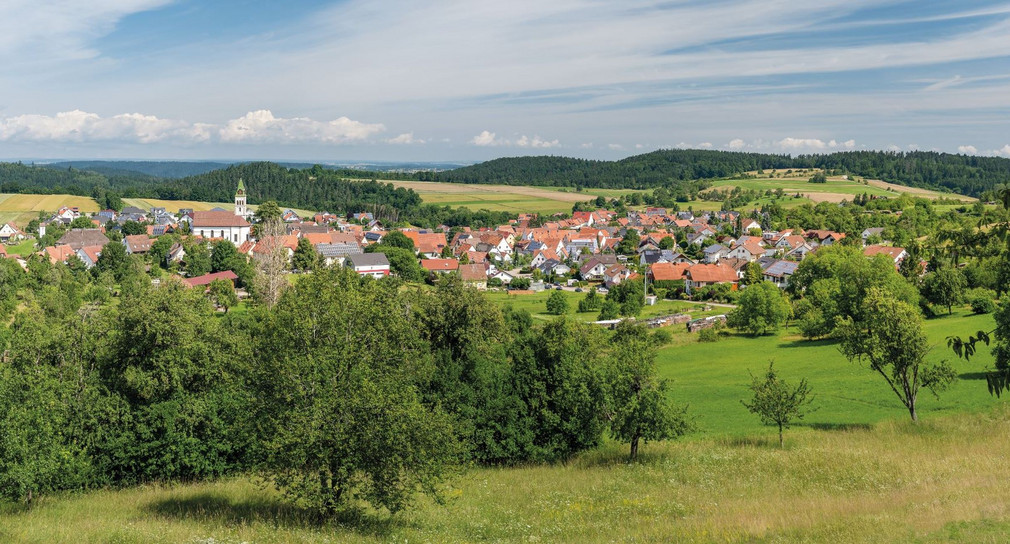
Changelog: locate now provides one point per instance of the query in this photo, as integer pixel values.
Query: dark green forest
(962, 174)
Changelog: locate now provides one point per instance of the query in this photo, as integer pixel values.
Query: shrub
(557, 303)
(662, 337)
(708, 335)
(982, 301)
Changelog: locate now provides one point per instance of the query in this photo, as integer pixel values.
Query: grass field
(942, 480)
(507, 198)
(536, 304)
(835, 189)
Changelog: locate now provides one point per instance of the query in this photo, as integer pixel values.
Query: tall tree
(945, 287)
(890, 339)
(639, 405)
(762, 308)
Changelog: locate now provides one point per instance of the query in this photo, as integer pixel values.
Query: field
(175, 205)
(22, 208)
(835, 189)
(855, 470)
(536, 304)
(506, 198)
(942, 480)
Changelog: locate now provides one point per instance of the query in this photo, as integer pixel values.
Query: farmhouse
(703, 275)
(78, 238)
(137, 244)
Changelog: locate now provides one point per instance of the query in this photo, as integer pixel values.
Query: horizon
(391, 81)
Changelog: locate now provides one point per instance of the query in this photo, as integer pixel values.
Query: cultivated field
(22, 208)
(507, 198)
(835, 190)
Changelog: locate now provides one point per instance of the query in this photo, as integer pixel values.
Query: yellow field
(175, 205)
(20, 209)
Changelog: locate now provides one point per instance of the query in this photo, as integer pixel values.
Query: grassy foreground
(942, 480)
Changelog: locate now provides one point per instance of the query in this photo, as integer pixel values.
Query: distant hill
(159, 169)
(963, 174)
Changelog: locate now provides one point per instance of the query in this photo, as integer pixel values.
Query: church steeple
(240, 206)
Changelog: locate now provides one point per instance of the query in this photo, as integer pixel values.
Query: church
(219, 224)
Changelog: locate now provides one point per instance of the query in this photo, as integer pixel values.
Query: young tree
(557, 303)
(753, 274)
(398, 239)
(271, 265)
(890, 339)
(945, 287)
(610, 309)
(591, 302)
(113, 259)
(775, 402)
(305, 257)
(762, 308)
(222, 293)
(224, 256)
(639, 405)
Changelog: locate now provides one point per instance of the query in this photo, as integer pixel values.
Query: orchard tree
(222, 293)
(557, 303)
(891, 341)
(945, 287)
(639, 405)
(305, 257)
(762, 308)
(775, 402)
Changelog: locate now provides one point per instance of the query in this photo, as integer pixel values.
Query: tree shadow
(751, 442)
(837, 426)
(804, 343)
(972, 375)
(210, 506)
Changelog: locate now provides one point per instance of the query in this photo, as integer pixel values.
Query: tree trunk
(911, 412)
(781, 445)
(28, 499)
(634, 444)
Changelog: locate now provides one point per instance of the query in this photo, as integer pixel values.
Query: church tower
(240, 207)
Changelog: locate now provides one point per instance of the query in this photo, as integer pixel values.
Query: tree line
(345, 389)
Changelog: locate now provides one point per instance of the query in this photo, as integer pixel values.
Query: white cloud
(967, 149)
(1005, 150)
(737, 144)
(813, 145)
(407, 138)
(536, 142)
(255, 127)
(485, 139)
(588, 145)
(705, 145)
(262, 127)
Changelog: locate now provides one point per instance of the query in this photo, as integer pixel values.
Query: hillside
(158, 169)
(964, 174)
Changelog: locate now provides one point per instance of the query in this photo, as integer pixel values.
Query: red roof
(473, 272)
(218, 219)
(207, 278)
(435, 265)
(669, 271)
(892, 252)
(712, 273)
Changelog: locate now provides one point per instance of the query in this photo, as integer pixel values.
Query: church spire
(240, 203)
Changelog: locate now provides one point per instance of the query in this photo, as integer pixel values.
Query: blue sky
(472, 80)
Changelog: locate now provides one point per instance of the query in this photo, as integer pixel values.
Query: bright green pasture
(713, 378)
(536, 304)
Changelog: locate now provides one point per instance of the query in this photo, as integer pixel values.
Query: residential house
(78, 238)
(703, 275)
(714, 252)
(137, 244)
(474, 274)
(335, 253)
(10, 233)
(594, 266)
(375, 265)
(440, 266)
(897, 254)
(204, 280)
(615, 274)
(59, 253)
(779, 272)
(89, 255)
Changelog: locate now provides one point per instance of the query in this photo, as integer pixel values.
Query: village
(682, 253)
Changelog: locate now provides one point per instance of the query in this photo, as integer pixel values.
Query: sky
(453, 80)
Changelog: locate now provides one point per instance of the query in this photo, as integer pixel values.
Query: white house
(369, 264)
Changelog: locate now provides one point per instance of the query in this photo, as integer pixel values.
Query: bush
(708, 335)
(557, 303)
(662, 337)
(982, 301)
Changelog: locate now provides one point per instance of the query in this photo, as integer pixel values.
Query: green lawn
(536, 304)
(713, 377)
(25, 247)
